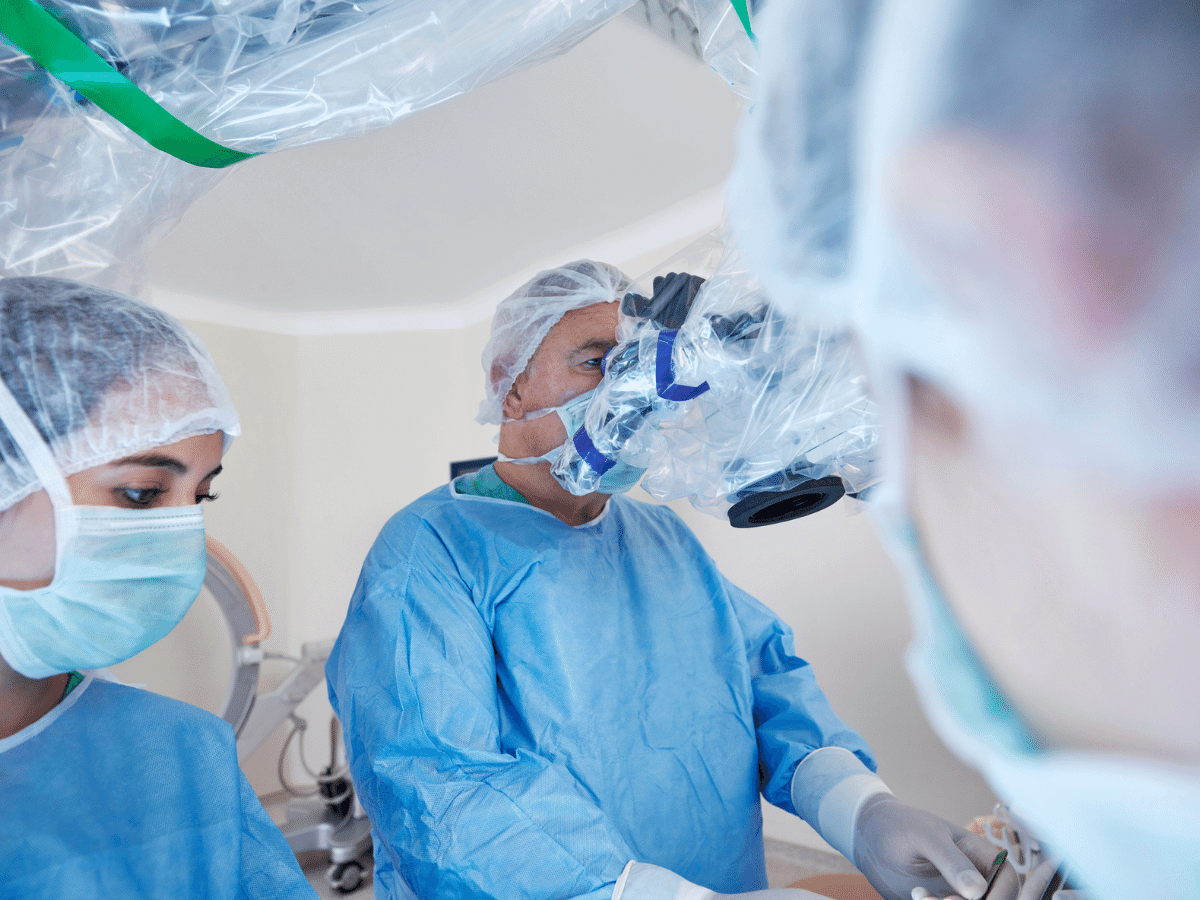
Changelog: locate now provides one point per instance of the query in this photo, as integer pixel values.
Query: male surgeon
(551, 696)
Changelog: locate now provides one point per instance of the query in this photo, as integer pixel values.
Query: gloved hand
(899, 848)
(1038, 882)
(642, 881)
(671, 303)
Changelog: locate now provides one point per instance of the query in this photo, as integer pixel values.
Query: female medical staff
(114, 425)
(1002, 200)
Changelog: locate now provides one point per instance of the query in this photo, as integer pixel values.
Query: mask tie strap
(530, 416)
(33, 448)
(549, 457)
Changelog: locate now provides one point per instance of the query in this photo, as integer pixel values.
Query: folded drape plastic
(723, 40)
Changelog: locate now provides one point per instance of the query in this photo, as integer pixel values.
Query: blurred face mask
(615, 480)
(1127, 826)
(123, 577)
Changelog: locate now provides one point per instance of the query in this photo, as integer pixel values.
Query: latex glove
(1039, 879)
(642, 881)
(674, 294)
(900, 848)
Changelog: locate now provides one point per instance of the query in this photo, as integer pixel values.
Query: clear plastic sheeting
(736, 400)
(710, 29)
(84, 197)
(724, 43)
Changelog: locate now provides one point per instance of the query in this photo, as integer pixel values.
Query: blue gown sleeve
(269, 868)
(413, 680)
(792, 717)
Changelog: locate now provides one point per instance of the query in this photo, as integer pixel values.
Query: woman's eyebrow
(155, 460)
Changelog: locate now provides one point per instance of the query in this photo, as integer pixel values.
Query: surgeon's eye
(206, 497)
(139, 496)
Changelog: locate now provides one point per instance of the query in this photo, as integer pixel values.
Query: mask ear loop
(537, 414)
(38, 456)
(530, 416)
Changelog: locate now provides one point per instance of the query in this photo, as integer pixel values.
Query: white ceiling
(615, 149)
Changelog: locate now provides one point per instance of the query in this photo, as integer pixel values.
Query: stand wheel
(345, 877)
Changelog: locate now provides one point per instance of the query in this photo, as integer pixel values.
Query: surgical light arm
(325, 820)
(272, 709)
(255, 716)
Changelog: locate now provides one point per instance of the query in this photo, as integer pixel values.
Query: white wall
(342, 431)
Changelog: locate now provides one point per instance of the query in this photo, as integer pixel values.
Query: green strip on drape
(52, 45)
(743, 14)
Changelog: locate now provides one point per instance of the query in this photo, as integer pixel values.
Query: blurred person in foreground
(1001, 200)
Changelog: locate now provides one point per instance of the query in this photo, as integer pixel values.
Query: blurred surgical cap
(524, 318)
(101, 376)
(1086, 111)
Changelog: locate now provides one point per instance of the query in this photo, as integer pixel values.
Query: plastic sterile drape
(85, 197)
(735, 399)
(723, 40)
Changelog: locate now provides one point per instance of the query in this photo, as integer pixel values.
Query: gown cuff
(829, 789)
(642, 881)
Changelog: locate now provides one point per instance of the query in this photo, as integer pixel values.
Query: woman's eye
(206, 497)
(140, 496)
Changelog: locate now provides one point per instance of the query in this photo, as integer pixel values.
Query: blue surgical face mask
(1127, 826)
(615, 480)
(123, 577)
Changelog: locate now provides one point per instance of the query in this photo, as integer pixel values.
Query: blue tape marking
(598, 462)
(664, 373)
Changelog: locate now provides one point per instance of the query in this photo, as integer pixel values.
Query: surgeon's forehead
(590, 327)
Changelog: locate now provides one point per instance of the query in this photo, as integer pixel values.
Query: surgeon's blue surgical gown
(120, 794)
(530, 705)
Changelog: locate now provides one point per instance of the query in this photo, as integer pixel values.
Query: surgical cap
(1098, 100)
(523, 319)
(101, 376)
